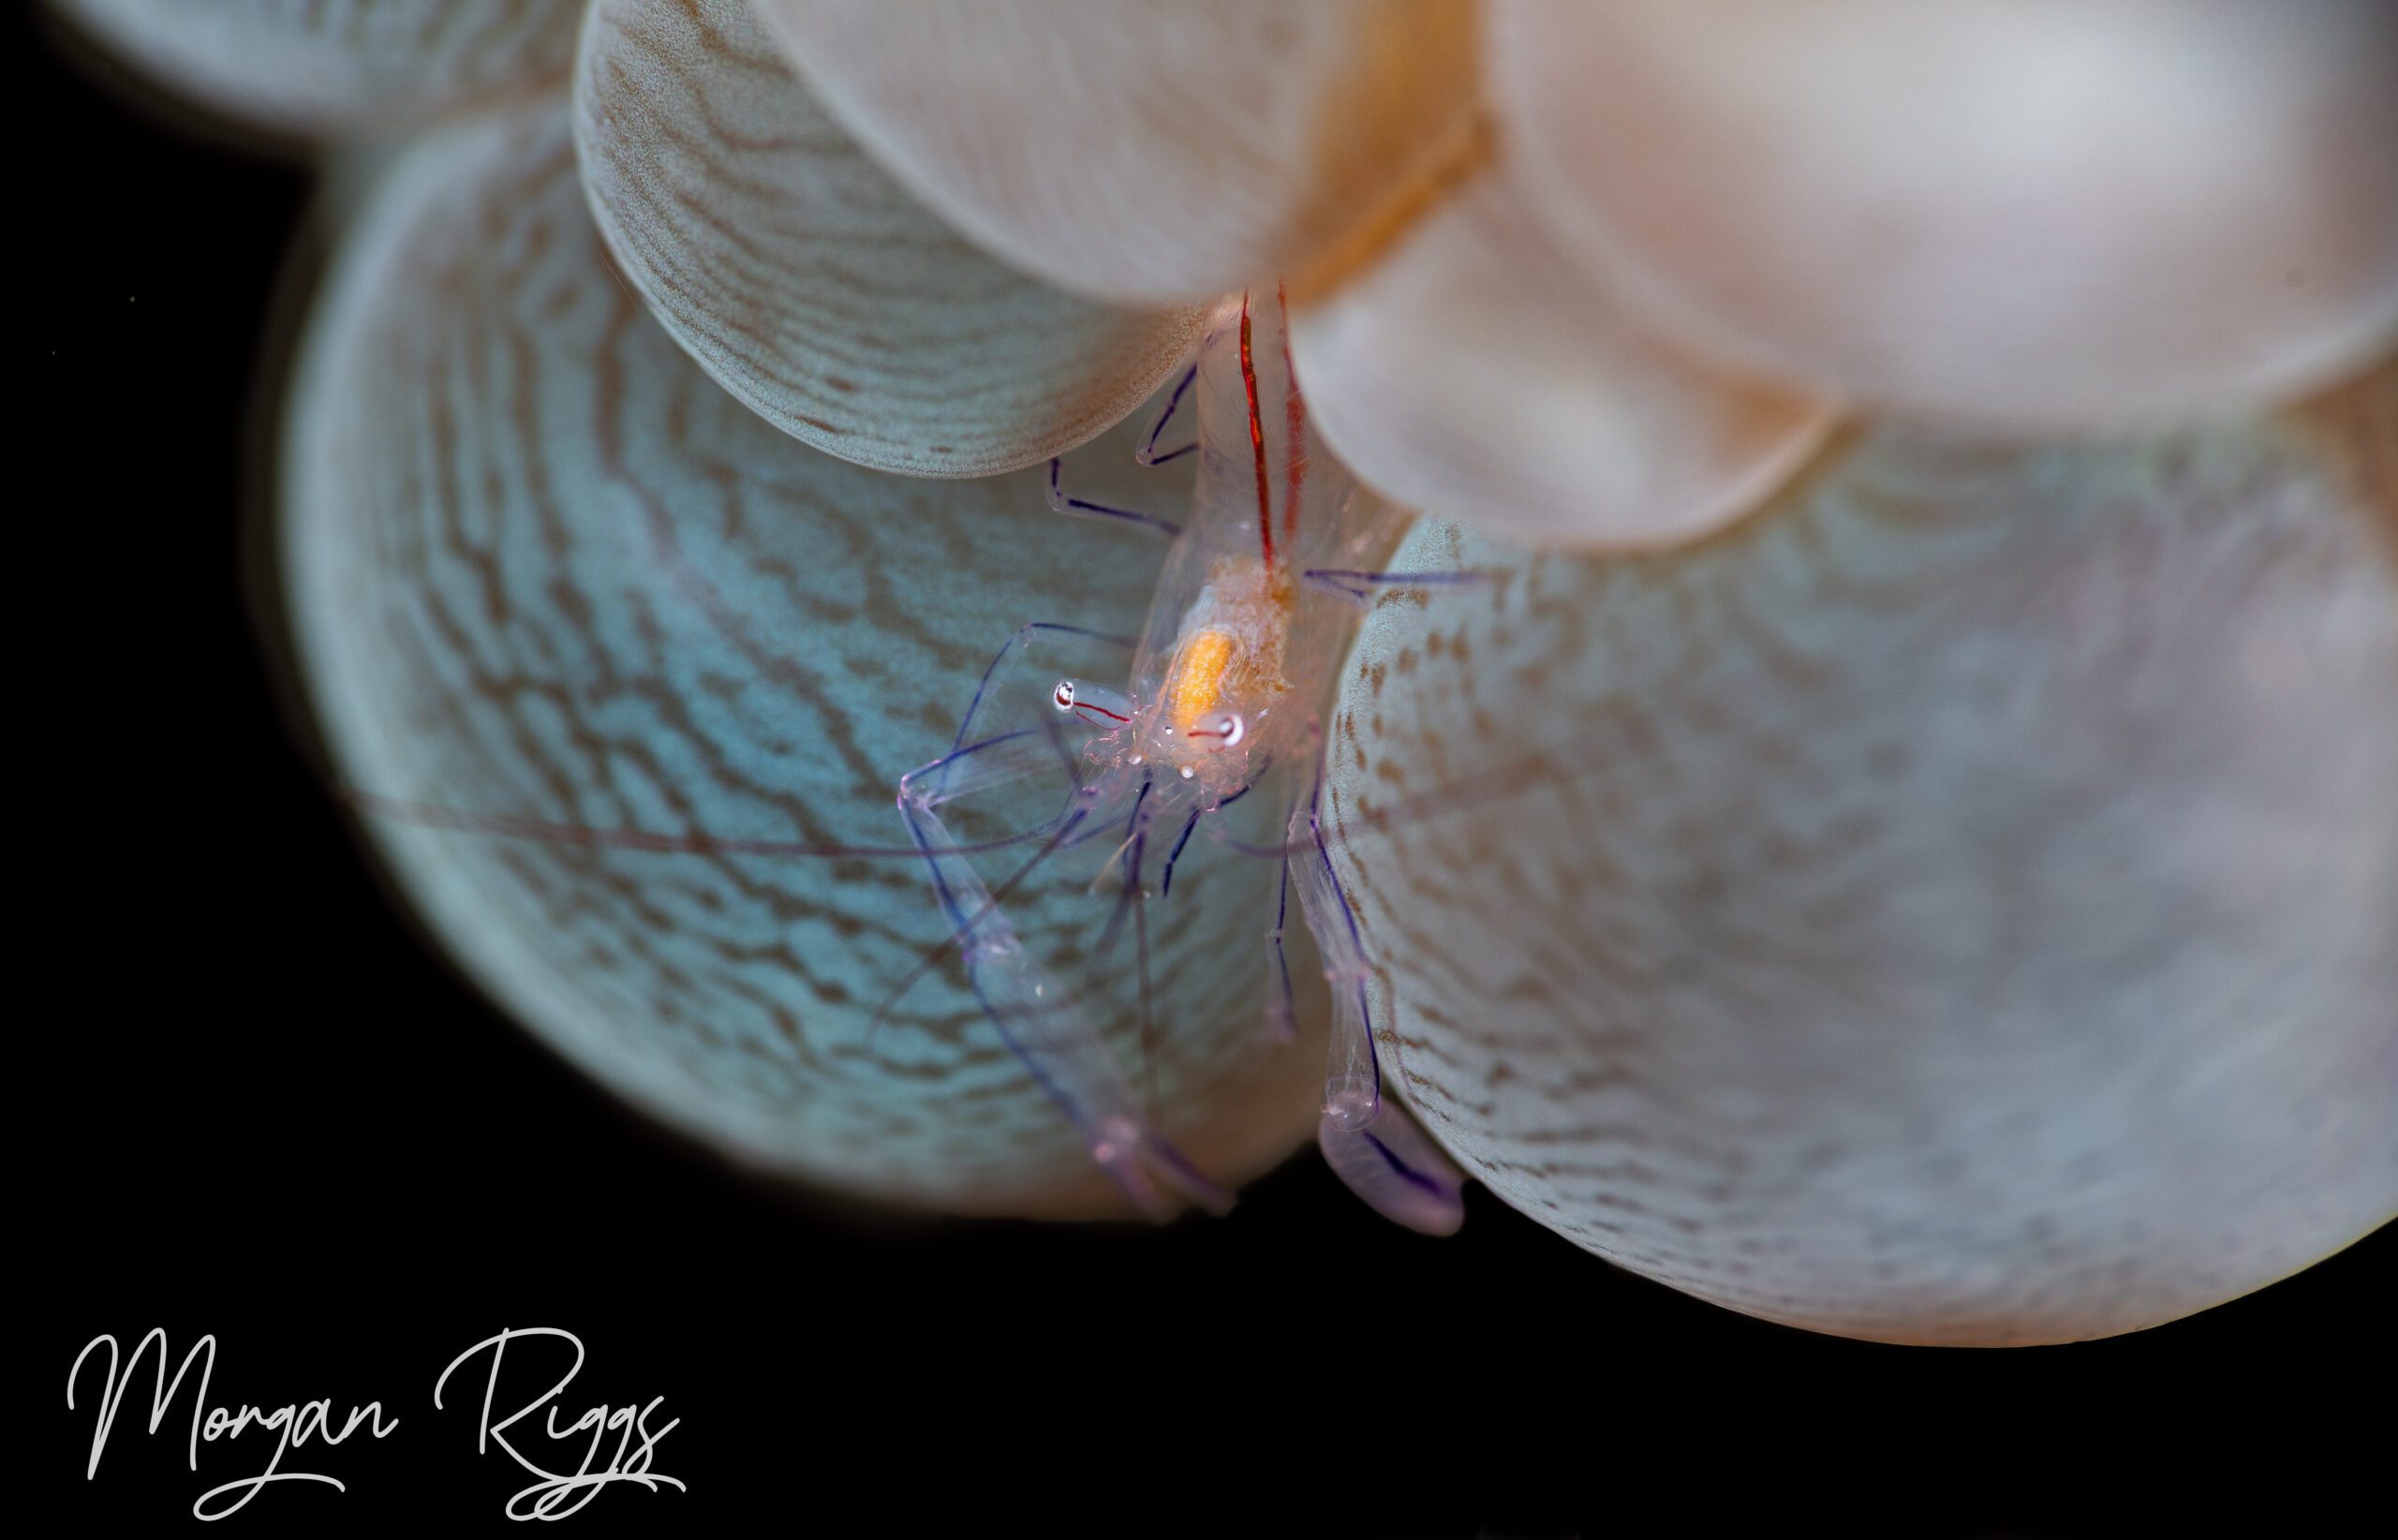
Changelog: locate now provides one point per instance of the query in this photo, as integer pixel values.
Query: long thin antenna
(965, 928)
(426, 815)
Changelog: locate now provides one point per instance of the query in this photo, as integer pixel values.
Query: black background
(262, 1107)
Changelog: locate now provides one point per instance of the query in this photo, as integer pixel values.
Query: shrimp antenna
(1357, 587)
(426, 815)
(965, 928)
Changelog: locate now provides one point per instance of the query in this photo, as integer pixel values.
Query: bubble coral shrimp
(1254, 609)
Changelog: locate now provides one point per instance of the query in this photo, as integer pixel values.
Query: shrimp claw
(1396, 1169)
(1041, 1024)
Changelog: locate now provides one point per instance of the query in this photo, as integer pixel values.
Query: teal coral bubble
(542, 568)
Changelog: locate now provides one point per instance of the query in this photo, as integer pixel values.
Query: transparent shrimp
(1256, 603)
(1258, 600)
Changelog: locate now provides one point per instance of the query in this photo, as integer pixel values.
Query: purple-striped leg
(1369, 1142)
(1040, 1022)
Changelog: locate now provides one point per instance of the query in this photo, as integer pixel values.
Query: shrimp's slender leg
(1141, 975)
(1357, 587)
(1130, 896)
(1282, 1008)
(1134, 842)
(1147, 453)
(1282, 1013)
(1061, 836)
(1353, 1087)
(1080, 508)
(1372, 1145)
(1065, 830)
(1040, 1023)
(1165, 884)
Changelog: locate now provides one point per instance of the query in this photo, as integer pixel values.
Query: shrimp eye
(1064, 695)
